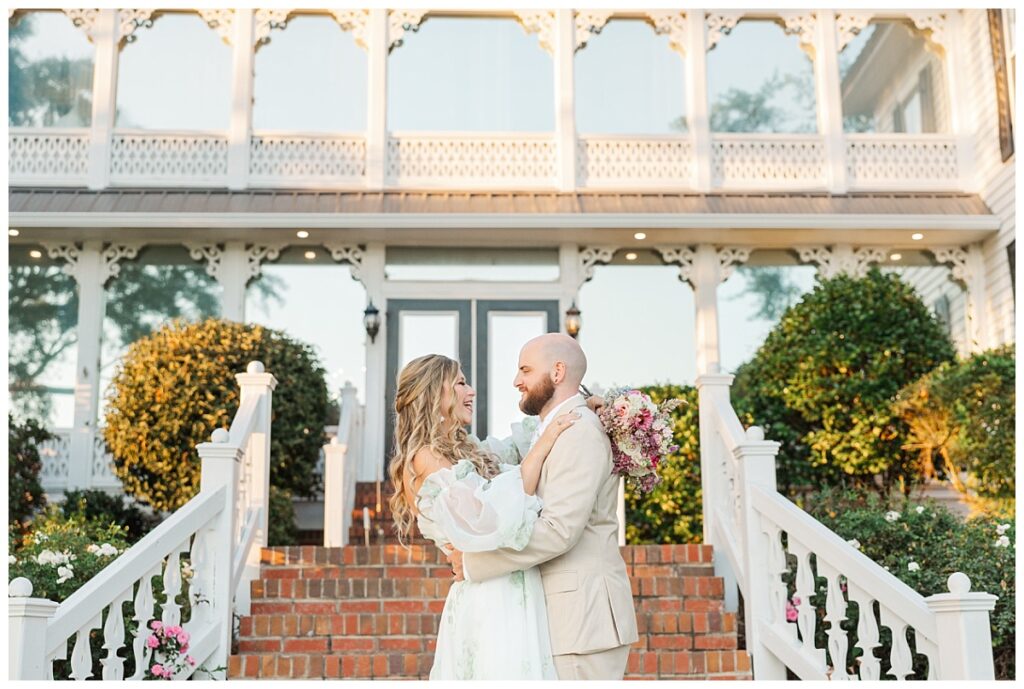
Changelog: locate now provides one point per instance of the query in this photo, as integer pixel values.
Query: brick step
(714, 665)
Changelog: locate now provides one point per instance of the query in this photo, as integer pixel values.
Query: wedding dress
(495, 629)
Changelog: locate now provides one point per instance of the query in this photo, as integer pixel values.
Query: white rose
(913, 566)
(92, 548)
(919, 509)
(1002, 528)
(1003, 542)
(47, 557)
(891, 516)
(64, 573)
(11, 560)
(854, 542)
(107, 550)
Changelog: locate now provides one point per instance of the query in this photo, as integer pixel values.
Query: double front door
(485, 336)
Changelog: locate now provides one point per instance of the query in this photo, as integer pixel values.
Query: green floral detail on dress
(463, 469)
(518, 578)
(466, 666)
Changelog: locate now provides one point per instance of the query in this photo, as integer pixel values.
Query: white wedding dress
(495, 629)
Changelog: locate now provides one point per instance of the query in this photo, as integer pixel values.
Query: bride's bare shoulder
(424, 463)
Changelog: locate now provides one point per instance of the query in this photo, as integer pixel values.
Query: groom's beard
(537, 398)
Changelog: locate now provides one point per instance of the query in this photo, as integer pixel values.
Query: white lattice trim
(767, 160)
(542, 23)
(654, 161)
(476, 160)
(589, 23)
(150, 158)
(306, 158)
(400, 21)
(904, 161)
(55, 455)
(53, 156)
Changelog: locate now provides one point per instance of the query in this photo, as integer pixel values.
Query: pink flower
(182, 637)
(156, 624)
(184, 648)
(152, 642)
(157, 670)
(173, 630)
(191, 660)
(791, 612)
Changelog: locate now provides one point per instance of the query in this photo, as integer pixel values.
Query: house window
(914, 114)
(941, 309)
(1011, 258)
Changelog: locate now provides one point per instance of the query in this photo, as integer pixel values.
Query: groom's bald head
(551, 368)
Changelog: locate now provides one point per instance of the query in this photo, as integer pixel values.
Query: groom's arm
(578, 464)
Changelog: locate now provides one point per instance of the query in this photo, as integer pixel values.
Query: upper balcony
(665, 100)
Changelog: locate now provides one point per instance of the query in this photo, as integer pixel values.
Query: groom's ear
(558, 373)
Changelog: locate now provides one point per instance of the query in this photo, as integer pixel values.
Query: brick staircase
(372, 613)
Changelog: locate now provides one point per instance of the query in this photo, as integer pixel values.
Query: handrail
(244, 421)
(252, 519)
(89, 601)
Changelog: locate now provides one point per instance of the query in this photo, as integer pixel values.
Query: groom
(575, 540)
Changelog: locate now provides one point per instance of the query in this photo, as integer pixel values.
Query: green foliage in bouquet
(960, 418)
(672, 512)
(25, 493)
(921, 544)
(824, 380)
(175, 386)
(100, 506)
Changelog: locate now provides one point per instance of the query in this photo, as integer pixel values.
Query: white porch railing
(56, 459)
(500, 160)
(221, 531)
(341, 468)
(744, 519)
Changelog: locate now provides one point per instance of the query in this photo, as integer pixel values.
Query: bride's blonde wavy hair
(420, 421)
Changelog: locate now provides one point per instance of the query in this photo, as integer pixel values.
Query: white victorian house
(905, 160)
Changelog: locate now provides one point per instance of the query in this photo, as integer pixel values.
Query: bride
(459, 494)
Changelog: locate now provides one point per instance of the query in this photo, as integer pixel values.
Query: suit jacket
(575, 543)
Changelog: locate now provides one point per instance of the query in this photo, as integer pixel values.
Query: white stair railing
(341, 465)
(745, 518)
(220, 531)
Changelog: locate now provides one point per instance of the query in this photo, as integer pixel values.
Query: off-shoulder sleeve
(512, 449)
(476, 515)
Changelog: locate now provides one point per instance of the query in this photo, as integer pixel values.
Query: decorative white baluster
(201, 582)
(900, 657)
(113, 638)
(867, 633)
(835, 613)
(806, 615)
(144, 602)
(81, 655)
(172, 586)
(776, 568)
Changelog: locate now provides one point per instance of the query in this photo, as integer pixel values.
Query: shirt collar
(573, 401)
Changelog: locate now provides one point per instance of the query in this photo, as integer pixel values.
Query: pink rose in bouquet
(641, 434)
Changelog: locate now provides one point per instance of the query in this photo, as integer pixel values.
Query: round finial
(959, 583)
(755, 433)
(254, 367)
(335, 441)
(220, 436)
(20, 588)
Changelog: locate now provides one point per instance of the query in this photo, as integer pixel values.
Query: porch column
(374, 459)
(565, 98)
(962, 111)
(240, 128)
(233, 276)
(828, 94)
(699, 124)
(106, 35)
(376, 102)
(705, 279)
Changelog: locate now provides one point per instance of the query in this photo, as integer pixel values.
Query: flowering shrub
(922, 544)
(641, 434)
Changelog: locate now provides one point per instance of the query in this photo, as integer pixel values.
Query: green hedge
(24, 491)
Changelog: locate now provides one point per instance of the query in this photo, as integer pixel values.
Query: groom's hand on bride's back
(455, 559)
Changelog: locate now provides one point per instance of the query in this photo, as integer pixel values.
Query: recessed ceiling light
(13, 233)
(310, 254)
(35, 253)
(630, 256)
(302, 234)
(640, 235)
(917, 236)
(896, 257)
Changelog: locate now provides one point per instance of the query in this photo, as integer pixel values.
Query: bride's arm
(533, 462)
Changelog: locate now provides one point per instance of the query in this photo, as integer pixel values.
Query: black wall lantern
(573, 321)
(371, 321)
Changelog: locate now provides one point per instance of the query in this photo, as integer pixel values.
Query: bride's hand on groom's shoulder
(561, 422)
(595, 402)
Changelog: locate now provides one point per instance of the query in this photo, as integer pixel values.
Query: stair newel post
(756, 459)
(27, 619)
(255, 382)
(712, 389)
(220, 469)
(335, 535)
(964, 630)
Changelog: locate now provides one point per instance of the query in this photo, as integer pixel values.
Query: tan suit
(575, 542)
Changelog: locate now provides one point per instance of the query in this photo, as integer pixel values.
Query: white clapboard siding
(932, 283)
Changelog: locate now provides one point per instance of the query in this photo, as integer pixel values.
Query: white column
(338, 465)
(756, 459)
(89, 274)
(565, 108)
(256, 382)
(376, 102)
(828, 95)
(705, 278)
(570, 279)
(233, 276)
(27, 618)
(977, 307)
(962, 110)
(240, 128)
(374, 460)
(106, 35)
(963, 630)
(698, 123)
(220, 468)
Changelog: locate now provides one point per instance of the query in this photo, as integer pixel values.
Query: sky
(469, 74)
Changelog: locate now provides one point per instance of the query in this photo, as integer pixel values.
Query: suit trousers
(607, 665)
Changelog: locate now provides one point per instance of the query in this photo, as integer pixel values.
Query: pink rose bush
(641, 435)
(169, 644)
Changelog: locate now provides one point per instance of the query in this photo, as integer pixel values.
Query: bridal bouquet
(641, 434)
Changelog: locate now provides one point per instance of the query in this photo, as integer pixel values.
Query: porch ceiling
(490, 217)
